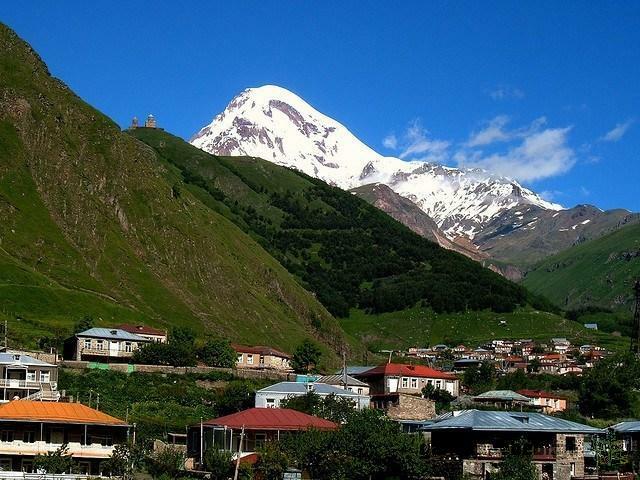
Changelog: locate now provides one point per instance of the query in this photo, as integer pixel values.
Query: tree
(479, 379)
(517, 464)
(218, 353)
(239, 395)
(57, 462)
(607, 390)
(85, 323)
(173, 354)
(306, 357)
(219, 463)
(272, 462)
(183, 336)
(334, 408)
(534, 366)
(438, 395)
(609, 453)
(120, 463)
(168, 461)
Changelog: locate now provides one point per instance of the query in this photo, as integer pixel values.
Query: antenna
(635, 337)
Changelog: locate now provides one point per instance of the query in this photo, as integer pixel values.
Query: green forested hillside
(92, 223)
(346, 251)
(599, 272)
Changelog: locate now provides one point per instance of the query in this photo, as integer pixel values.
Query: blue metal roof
(501, 421)
(112, 334)
(626, 427)
(19, 359)
(301, 388)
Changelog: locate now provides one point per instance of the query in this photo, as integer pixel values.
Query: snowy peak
(275, 124)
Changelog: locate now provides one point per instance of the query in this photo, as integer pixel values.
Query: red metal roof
(539, 394)
(259, 350)
(141, 330)
(272, 419)
(401, 369)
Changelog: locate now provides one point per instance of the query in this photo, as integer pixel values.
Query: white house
(273, 395)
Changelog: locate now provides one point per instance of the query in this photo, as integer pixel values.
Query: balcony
(76, 449)
(30, 384)
(489, 452)
(105, 352)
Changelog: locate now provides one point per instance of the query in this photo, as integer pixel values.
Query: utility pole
(635, 336)
(345, 382)
(235, 475)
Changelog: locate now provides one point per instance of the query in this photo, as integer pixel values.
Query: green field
(421, 327)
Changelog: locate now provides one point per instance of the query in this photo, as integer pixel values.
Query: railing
(106, 352)
(47, 476)
(490, 452)
(15, 383)
(75, 449)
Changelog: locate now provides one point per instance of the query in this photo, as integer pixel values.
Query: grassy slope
(599, 272)
(89, 225)
(420, 327)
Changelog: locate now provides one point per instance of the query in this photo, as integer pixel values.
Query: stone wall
(127, 368)
(411, 407)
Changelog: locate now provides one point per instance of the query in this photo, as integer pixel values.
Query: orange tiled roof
(55, 412)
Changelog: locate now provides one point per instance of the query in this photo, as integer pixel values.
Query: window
(45, 377)
(261, 439)
(250, 359)
(405, 382)
(239, 358)
(438, 384)
(6, 436)
(414, 383)
(127, 346)
(261, 359)
(99, 345)
(6, 465)
(271, 403)
(29, 437)
(31, 376)
(87, 343)
(570, 444)
(360, 391)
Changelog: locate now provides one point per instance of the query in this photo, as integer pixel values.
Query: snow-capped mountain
(275, 124)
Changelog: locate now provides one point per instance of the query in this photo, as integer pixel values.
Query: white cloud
(550, 195)
(415, 144)
(617, 132)
(541, 154)
(493, 132)
(505, 92)
(390, 141)
(528, 153)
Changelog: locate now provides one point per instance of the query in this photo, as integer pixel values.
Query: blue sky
(547, 92)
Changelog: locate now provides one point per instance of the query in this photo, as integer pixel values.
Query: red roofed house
(260, 425)
(30, 428)
(153, 334)
(403, 378)
(397, 388)
(548, 402)
(261, 357)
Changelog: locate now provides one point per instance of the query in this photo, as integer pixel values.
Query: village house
(560, 345)
(154, 334)
(548, 402)
(30, 428)
(346, 382)
(504, 399)
(23, 376)
(246, 432)
(261, 357)
(512, 363)
(393, 378)
(103, 344)
(480, 440)
(273, 395)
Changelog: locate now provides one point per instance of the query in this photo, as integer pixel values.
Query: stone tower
(134, 123)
